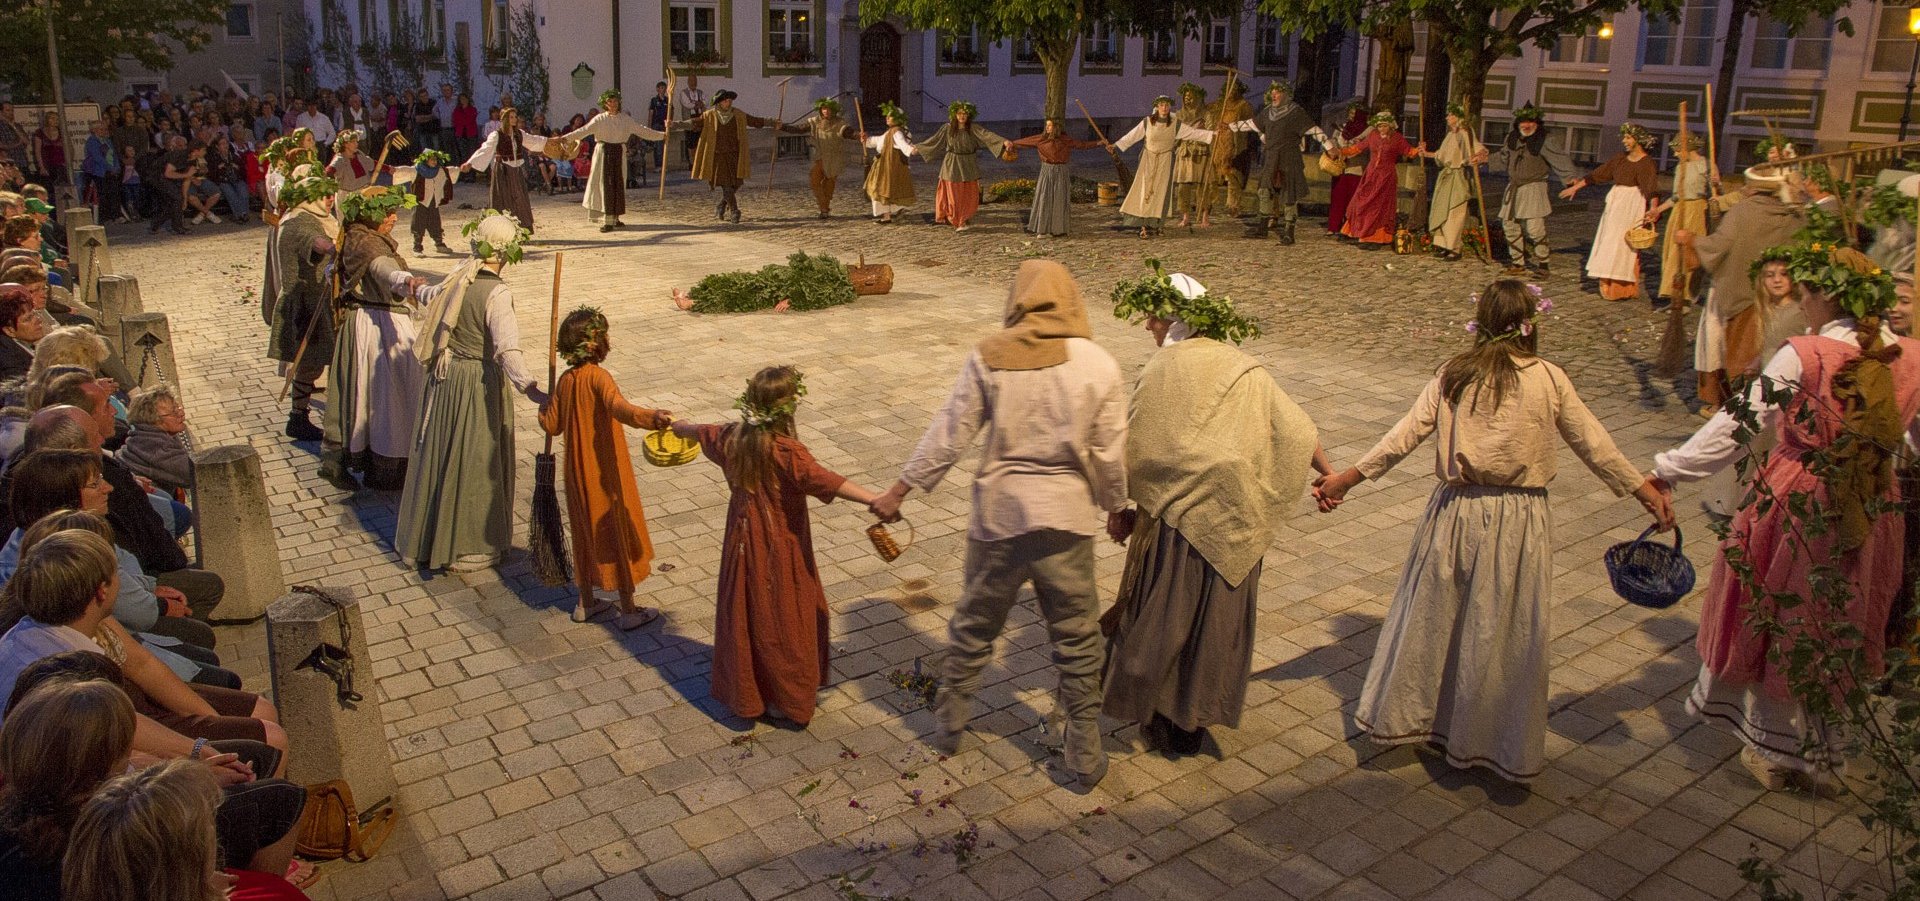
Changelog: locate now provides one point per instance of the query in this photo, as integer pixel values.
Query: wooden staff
(1119, 165)
(1713, 156)
(1220, 128)
(668, 139)
(779, 116)
(861, 118)
(1480, 197)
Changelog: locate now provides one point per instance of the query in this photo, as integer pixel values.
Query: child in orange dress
(770, 632)
(611, 549)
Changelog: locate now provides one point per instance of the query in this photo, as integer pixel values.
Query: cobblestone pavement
(540, 758)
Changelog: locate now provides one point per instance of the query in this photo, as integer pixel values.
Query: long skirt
(459, 493)
(1690, 215)
(1616, 265)
(270, 284)
(1183, 642)
(1462, 660)
(955, 202)
(1052, 194)
(507, 192)
(376, 387)
(1343, 188)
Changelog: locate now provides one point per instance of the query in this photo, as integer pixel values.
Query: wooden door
(879, 68)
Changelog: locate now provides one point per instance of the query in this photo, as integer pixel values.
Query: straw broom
(546, 537)
(1672, 357)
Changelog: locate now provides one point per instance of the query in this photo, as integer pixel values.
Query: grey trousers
(1526, 240)
(1286, 212)
(1060, 566)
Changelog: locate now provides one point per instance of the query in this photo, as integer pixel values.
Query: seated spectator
(56, 748)
(55, 304)
(20, 327)
(24, 233)
(157, 448)
(258, 817)
(65, 586)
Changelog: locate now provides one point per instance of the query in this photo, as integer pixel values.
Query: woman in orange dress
(611, 550)
(770, 627)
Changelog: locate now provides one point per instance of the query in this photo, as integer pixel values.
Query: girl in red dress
(770, 632)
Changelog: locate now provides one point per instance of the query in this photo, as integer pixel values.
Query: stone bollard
(328, 698)
(76, 218)
(119, 297)
(89, 258)
(149, 344)
(234, 532)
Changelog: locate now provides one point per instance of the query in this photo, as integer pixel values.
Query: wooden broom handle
(553, 336)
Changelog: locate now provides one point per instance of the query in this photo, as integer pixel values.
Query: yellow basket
(1641, 237)
(664, 448)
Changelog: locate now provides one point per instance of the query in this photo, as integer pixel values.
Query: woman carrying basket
(1614, 262)
(1850, 362)
(1462, 660)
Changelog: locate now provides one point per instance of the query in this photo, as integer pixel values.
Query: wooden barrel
(1109, 193)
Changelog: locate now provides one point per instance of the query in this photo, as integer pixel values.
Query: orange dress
(770, 627)
(611, 549)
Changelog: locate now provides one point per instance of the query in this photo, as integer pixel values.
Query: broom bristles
(1673, 342)
(545, 535)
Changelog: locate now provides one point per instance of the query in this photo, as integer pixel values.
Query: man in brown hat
(721, 158)
(1053, 416)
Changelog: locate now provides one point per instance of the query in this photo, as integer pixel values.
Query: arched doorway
(879, 67)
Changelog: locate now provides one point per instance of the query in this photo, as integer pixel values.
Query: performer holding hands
(606, 194)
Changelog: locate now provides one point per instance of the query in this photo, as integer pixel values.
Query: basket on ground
(1648, 573)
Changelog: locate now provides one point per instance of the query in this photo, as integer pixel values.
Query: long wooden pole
(1480, 197)
(1713, 155)
(1220, 129)
(861, 118)
(1119, 165)
(553, 332)
(664, 142)
(779, 118)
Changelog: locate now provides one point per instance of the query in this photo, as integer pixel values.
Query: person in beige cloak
(1453, 188)
(889, 183)
(1150, 200)
(1180, 646)
(1193, 160)
(829, 134)
(721, 159)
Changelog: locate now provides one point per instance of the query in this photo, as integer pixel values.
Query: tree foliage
(527, 81)
(97, 36)
(336, 49)
(1054, 26)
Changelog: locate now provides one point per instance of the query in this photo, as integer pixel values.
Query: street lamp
(1606, 31)
(1906, 110)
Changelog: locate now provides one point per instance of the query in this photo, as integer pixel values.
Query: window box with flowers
(791, 40)
(961, 53)
(1162, 51)
(699, 60)
(1100, 50)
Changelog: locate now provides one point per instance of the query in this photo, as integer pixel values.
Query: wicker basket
(1009, 153)
(1333, 164)
(561, 149)
(1650, 574)
(1641, 237)
(664, 448)
(874, 279)
(884, 543)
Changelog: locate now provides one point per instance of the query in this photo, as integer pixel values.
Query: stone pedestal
(330, 736)
(119, 297)
(75, 218)
(234, 531)
(149, 350)
(88, 251)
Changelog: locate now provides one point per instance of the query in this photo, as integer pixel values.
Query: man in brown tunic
(721, 159)
(830, 134)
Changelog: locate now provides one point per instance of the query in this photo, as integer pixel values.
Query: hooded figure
(1051, 411)
(456, 511)
(300, 322)
(1183, 627)
(1281, 180)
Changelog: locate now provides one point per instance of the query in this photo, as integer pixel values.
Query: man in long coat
(721, 159)
(1281, 178)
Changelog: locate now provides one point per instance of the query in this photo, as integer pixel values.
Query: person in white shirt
(319, 123)
(1054, 415)
(693, 102)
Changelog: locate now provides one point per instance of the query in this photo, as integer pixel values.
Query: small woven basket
(1641, 237)
(883, 543)
(1648, 573)
(1333, 164)
(664, 448)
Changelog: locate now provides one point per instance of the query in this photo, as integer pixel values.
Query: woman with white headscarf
(456, 509)
(1181, 634)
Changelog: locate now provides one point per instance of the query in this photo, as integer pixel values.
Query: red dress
(1733, 650)
(770, 630)
(1372, 213)
(1345, 184)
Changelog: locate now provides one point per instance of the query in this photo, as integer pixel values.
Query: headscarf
(1189, 288)
(1043, 310)
(496, 231)
(307, 194)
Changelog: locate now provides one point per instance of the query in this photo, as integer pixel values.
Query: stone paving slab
(543, 759)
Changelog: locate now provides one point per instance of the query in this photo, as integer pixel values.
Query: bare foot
(682, 299)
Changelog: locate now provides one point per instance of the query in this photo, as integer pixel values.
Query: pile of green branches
(804, 282)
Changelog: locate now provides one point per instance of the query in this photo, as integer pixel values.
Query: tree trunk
(1319, 65)
(1056, 55)
(1729, 65)
(1434, 76)
(1390, 73)
(1470, 82)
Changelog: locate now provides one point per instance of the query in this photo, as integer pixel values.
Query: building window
(496, 24)
(1100, 47)
(1272, 46)
(1589, 48)
(240, 23)
(962, 49)
(790, 32)
(1688, 41)
(1583, 143)
(433, 24)
(693, 32)
(1218, 43)
(1163, 49)
(1892, 46)
(1026, 56)
(1773, 48)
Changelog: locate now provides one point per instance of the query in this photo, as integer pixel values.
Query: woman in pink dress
(1849, 361)
(1372, 213)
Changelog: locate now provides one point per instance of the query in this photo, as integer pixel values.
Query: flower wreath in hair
(762, 417)
(1384, 117)
(957, 107)
(1208, 316)
(1852, 280)
(432, 158)
(346, 136)
(1639, 134)
(892, 112)
(484, 249)
(1540, 305)
(594, 331)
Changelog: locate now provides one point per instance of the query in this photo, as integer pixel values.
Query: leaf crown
(763, 417)
(1846, 276)
(510, 251)
(1208, 316)
(374, 203)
